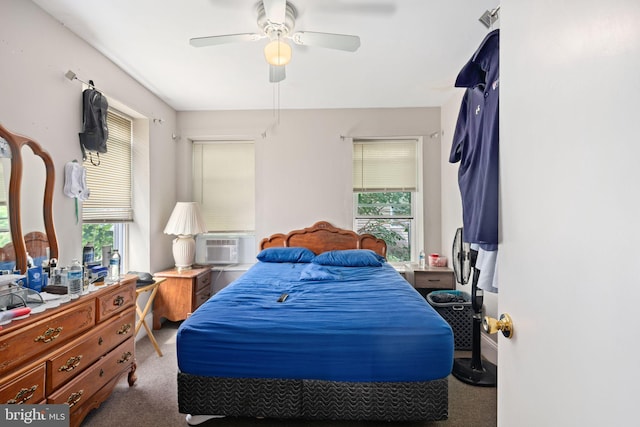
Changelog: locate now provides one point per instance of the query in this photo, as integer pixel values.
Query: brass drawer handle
(118, 301)
(71, 364)
(23, 395)
(49, 335)
(124, 330)
(125, 357)
(74, 398)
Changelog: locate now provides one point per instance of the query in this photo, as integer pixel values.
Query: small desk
(153, 288)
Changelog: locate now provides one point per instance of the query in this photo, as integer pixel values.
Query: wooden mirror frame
(16, 142)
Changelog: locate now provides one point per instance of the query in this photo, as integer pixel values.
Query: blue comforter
(358, 324)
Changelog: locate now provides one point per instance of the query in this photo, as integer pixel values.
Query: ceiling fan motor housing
(275, 30)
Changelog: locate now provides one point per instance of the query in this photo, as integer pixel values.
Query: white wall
(303, 166)
(39, 102)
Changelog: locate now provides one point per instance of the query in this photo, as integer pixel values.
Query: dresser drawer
(203, 282)
(436, 280)
(118, 299)
(28, 388)
(81, 353)
(44, 335)
(91, 380)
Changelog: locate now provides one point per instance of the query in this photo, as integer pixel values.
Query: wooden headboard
(36, 243)
(323, 237)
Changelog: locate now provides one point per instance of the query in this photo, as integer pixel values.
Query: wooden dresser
(180, 294)
(74, 353)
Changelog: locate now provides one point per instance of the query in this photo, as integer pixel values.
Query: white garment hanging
(487, 263)
(75, 181)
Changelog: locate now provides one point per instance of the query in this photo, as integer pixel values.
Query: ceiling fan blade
(229, 38)
(328, 40)
(276, 73)
(275, 10)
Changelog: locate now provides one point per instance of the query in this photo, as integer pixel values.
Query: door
(570, 213)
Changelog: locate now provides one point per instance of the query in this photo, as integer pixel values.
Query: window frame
(120, 223)
(416, 233)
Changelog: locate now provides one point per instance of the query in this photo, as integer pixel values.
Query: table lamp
(185, 222)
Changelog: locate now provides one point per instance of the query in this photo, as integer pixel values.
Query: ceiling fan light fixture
(277, 53)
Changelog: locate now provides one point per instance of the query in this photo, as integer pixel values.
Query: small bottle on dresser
(114, 266)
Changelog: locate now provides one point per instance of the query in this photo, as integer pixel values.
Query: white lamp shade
(186, 220)
(277, 53)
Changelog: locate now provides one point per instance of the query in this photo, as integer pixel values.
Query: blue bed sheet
(366, 325)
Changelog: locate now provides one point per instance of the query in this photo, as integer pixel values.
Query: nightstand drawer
(203, 282)
(201, 297)
(433, 280)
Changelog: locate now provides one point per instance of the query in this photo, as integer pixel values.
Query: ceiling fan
(276, 20)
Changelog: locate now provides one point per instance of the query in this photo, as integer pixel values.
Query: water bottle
(114, 266)
(421, 259)
(74, 279)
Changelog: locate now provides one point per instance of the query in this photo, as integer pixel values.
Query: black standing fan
(461, 262)
(471, 370)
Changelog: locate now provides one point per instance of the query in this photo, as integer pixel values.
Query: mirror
(6, 259)
(26, 163)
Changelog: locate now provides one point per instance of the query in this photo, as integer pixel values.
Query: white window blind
(110, 182)
(224, 184)
(385, 165)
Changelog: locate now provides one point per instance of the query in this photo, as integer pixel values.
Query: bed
(321, 327)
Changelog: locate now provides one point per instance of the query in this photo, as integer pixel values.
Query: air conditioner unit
(212, 248)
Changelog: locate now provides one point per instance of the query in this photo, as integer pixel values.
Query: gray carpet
(153, 400)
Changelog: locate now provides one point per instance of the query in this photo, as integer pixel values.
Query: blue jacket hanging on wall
(476, 147)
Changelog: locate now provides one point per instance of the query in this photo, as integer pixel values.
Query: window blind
(110, 182)
(224, 184)
(385, 165)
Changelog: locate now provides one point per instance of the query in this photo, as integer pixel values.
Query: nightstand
(180, 294)
(427, 279)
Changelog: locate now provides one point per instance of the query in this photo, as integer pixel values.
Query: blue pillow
(315, 272)
(350, 258)
(286, 254)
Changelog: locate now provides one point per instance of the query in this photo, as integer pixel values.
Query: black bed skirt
(313, 399)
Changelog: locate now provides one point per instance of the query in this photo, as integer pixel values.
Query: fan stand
(473, 370)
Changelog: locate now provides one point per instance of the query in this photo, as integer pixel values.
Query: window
(224, 184)
(387, 197)
(109, 208)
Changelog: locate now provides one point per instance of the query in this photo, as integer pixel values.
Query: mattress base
(313, 399)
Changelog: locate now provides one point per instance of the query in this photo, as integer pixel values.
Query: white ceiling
(410, 53)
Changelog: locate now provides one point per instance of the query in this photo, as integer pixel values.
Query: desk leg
(142, 322)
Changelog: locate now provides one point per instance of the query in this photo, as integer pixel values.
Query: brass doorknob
(491, 325)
